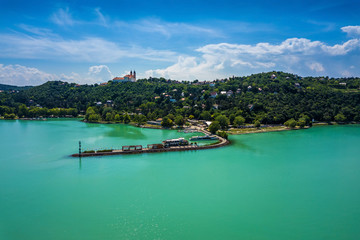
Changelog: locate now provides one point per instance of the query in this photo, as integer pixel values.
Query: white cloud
(100, 73)
(317, 67)
(298, 55)
(167, 29)
(23, 46)
(63, 17)
(101, 18)
(346, 73)
(352, 30)
(22, 76)
(25, 76)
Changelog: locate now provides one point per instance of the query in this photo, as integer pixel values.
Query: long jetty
(222, 142)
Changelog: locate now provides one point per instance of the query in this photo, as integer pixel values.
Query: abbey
(127, 78)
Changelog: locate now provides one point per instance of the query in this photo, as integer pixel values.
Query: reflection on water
(129, 132)
(238, 143)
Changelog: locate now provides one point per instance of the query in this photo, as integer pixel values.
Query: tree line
(264, 98)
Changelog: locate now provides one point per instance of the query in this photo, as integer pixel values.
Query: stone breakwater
(222, 142)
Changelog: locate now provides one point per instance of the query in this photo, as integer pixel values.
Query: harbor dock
(151, 149)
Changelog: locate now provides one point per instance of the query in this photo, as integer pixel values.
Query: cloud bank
(19, 75)
(298, 55)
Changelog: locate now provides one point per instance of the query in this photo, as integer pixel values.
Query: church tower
(134, 74)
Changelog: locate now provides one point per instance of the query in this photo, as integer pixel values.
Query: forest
(264, 98)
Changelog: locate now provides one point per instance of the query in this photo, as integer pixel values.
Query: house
(297, 85)
(186, 107)
(273, 76)
(98, 103)
(251, 106)
(213, 94)
(172, 100)
(127, 78)
(249, 88)
(260, 89)
(109, 103)
(229, 93)
(223, 92)
(157, 122)
(216, 106)
(342, 84)
(238, 91)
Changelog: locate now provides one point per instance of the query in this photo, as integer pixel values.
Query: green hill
(272, 97)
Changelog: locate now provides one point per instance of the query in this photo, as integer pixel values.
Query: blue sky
(94, 41)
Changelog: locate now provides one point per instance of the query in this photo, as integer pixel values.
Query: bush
(340, 117)
(239, 120)
(291, 123)
(222, 134)
(223, 121)
(89, 151)
(105, 150)
(9, 116)
(257, 124)
(166, 122)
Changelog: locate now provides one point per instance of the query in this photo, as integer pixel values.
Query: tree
(305, 118)
(223, 121)
(89, 111)
(140, 119)
(257, 123)
(171, 116)
(239, 120)
(302, 122)
(179, 120)
(23, 110)
(340, 117)
(222, 134)
(117, 118)
(108, 117)
(205, 115)
(232, 118)
(166, 122)
(214, 127)
(9, 116)
(126, 118)
(94, 117)
(291, 123)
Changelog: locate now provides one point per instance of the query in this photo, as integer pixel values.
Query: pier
(150, 149)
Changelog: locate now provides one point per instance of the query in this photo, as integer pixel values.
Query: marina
(169, 145)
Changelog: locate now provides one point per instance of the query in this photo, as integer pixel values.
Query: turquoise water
(284, 185)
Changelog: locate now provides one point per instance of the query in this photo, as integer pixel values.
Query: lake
(301, 184)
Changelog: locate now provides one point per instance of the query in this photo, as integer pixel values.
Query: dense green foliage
(214, 127)
(6, 87)
(269, 98)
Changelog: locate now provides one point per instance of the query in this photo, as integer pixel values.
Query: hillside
(5, 87)
(272, 97)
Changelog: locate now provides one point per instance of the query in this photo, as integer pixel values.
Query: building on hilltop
(127, 78)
